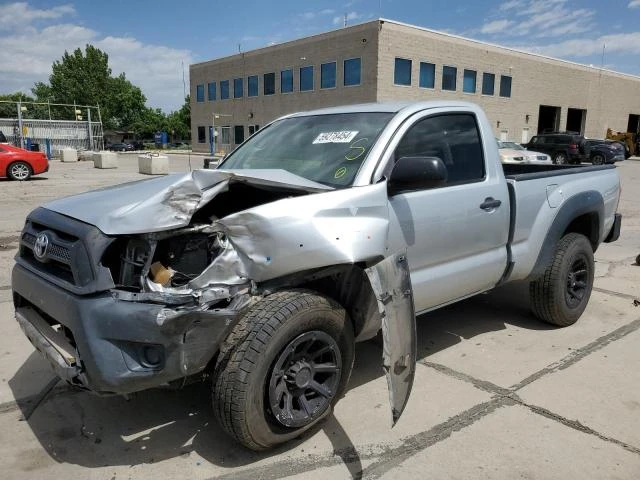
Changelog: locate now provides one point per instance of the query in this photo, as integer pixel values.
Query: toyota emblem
(41, 246)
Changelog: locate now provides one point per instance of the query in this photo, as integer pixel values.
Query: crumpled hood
(166, 202)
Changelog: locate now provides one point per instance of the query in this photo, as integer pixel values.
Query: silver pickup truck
(320, 230)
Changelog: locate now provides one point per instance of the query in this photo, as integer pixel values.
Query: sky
(150, 41)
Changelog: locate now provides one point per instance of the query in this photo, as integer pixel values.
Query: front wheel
(19, 171)
(282, 368)
(597, 159)
(561, 294)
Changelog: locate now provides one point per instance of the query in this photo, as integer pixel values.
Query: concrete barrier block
(153, 165)
(85, 156)
(105, 159)
(69, 155)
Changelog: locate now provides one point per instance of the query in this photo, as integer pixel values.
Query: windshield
(511, 145)
(327, 149)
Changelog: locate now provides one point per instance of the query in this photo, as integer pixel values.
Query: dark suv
(601, 151)
(562, 147)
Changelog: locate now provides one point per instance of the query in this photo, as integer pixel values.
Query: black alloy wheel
(304, 379)
(577, 279)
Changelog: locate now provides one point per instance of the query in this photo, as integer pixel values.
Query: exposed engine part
(182, 258)
(133, 261)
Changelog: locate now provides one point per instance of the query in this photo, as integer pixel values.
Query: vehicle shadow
(76, 427)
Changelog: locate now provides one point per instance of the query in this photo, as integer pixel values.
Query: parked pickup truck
(320, 230)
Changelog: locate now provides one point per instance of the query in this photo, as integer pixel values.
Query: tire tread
(243, 348)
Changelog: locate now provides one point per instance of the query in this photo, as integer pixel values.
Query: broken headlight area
(196, 264)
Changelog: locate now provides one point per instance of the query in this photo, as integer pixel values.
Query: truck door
(455, 234)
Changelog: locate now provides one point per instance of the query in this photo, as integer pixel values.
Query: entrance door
(525, 136)
(634, 123)
(548, 119)
(504, 135)
(576, 118)
(456, 241)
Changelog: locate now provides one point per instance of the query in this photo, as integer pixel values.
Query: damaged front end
(168, 271)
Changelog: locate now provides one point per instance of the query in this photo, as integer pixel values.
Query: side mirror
(416, 173)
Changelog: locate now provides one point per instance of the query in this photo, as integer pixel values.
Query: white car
(511, 152)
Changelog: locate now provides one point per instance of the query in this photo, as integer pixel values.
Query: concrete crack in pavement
(30, 403)
(617, 294)
(479, 384)
(576, 425)
(386, 457)
(39, 398)
(577, 355)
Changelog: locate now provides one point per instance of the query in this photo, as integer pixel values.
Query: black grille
(55, 252)
(57, 260)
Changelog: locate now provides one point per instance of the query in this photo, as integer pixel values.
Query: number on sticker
(335, 137)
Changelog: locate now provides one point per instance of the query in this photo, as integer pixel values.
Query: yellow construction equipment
(630, 140)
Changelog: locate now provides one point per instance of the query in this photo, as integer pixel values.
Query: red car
(19, 164)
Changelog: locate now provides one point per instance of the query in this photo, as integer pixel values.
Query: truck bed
(524, 172)
(540, 193)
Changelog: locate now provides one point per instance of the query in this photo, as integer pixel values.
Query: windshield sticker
(335, 137)
(357, 149)
(341, 172)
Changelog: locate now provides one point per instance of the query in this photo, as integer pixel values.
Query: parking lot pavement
(498, 395)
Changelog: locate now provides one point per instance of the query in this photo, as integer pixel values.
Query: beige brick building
(383, 60)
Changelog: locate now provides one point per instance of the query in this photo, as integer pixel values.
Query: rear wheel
(19, 171)
(282, 368)
(561, 294)
(597, 159)
(560, 158)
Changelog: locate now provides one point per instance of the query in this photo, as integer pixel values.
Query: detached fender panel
(391, 284)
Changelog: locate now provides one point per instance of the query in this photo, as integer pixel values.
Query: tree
(9, 110)
(85, 78)
(180, 121)
(148, 122)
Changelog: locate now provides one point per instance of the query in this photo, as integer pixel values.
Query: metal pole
(90, 129)
(49, 107)
(213, 134)
(20, 124)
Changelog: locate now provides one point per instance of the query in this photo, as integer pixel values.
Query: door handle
(489, 204)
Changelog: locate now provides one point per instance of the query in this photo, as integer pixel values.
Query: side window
(454, 139)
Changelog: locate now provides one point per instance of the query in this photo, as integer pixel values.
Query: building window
(488, 83)
(253, 129)
(427, 75)
(449, 78)
(200, 93)
(269, 83)
(224, 89)
(286, 81)
(402, 72)
(252, 86)
(352, 72)
(306, 78)
(469, 81)
(211, 91)
(328, 75)
(505, 86)
(238, 134)
(202, 138)
(238, 90)
(225, 133)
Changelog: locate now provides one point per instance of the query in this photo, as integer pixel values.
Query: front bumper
(114, 346)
